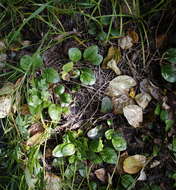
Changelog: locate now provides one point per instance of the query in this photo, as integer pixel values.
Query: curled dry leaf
(53, 182)
(113, 53)
(5, 105)
(35, 128)
(8, 88)
(143, 99)
(35, 139)
(134, 36)
(123, 156)
(154, 164)
(120, 102)
(147, 86)
(101, 174)
(24, 109)
(126, 42)
(120, 85)
(134, 115)
(112, 64)
(133, 164)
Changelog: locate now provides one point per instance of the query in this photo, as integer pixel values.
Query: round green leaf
(106, 105)
(51, 75)
(26, 62)
(57, 152)
(87, 77)
(119, 143)
(109, 134)
(54, 112)
(102, 36)
(68, 67)
(127, 181)
(59, 89)
(74, 54)
(171, 55)
(37, 61)
(90, 52)
(109, 155)
(97, 59)
(93, 133)
(169, 73)
(96, 145)
(95, 158)
(66, 98)
(68, 149)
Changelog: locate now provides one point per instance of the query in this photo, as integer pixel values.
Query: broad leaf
(37, 61)
(87, 76)
(109, 134)
(119, 143)
(96, 59)
(171, 55)
(59, 89)
(68, 149)
(57, 152)
(65, 99)
(26, 62)
(96, 145)
(169, 73)
(90, 52)
(54, 112)
(74, 54)
(51, 75)
(68, 67)
(109, 155)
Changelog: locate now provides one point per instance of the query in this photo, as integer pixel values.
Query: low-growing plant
(85, 74)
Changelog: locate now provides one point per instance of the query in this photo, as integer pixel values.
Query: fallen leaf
(120, 102)
(35, 128)
(24, 109)
(113, 53)
(133, 164)
(53, 182)
(5, 105)
(8, 88)
(134, 36)
(126, 42)
(120, 85)
(112, 64)
(35, 139)
(155, 164)
(134, 115)
(147, 86)
(143, 99)
(142, 176)
(101, 174)
(123, 156)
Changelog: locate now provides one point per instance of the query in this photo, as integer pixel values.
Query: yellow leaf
(36, 139)
(133, 164)
(113, 53)
(132, 93)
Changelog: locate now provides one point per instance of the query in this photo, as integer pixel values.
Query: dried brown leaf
(126, 42)
(134, 115)
(113, 53)
(101, 174)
